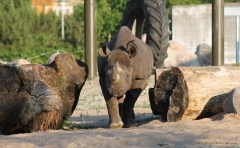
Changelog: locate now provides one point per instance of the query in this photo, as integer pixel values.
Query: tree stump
(183, 93)
(35, 97)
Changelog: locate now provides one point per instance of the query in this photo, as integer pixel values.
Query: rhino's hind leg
(113, 111)
(128, 115)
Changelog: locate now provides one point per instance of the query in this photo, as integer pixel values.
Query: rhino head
(118, 70)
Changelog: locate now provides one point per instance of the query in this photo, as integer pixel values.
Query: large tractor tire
(151, 16)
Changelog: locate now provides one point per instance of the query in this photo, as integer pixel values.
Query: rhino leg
(113, 111)
(112, 105)
(128, 115)
(120, 105)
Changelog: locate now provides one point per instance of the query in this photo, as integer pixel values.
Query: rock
(204, 53)
(232, 103)
(35, 97)
(3, 62)
(179, 56)
(52, 57)
(19, 62)
(187, 59)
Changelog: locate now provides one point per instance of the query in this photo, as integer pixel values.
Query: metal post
(217, 32)
(63, 9)
(90, 37)
(237, 39)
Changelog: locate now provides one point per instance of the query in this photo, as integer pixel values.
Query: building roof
(68, 2)
(56, 2)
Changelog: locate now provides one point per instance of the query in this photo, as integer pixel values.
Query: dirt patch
(91, 118)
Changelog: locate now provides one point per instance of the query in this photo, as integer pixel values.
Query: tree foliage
(109, 15)
(26, 34)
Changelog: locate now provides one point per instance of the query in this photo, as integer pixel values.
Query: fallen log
(35, 97)
(183, 93)
(232, 103)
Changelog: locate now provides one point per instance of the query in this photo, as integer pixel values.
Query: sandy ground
(90, 120)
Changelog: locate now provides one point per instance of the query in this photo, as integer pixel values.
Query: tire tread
(157, 23)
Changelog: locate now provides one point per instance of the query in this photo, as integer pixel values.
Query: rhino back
(143, 61)
(121, 38)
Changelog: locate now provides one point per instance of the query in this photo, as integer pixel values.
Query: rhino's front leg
(112, 105)
(120, 105)
(113, 111)
(128, 105)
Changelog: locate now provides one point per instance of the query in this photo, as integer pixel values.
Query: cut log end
(171, 94)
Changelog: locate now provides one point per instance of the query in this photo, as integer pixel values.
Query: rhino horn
(117, 66)
(103, 50)
(115, 76)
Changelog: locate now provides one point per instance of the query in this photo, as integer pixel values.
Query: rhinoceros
(124, 66)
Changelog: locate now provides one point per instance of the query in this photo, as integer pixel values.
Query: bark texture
(35, 97)
(183, 93)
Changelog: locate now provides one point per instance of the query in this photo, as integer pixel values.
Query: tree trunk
(183, 93)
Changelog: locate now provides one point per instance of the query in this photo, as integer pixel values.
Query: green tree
(26, 34)
(109, 15)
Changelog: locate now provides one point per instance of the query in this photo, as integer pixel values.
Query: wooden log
(183, 93)
(156, 73)
(35, 97)
(232, 103)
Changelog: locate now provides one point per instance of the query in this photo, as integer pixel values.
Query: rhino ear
(132, 49)
(103, 50)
